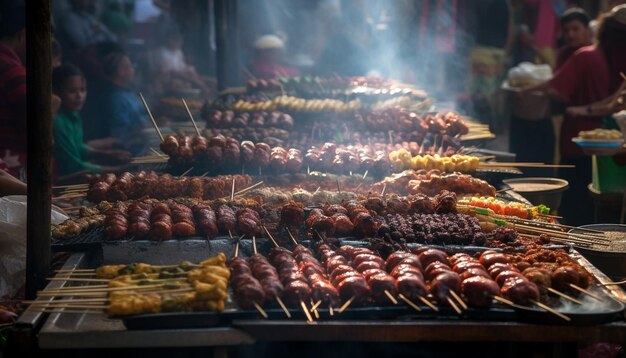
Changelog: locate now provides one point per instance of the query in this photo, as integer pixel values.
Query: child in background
(72, 154)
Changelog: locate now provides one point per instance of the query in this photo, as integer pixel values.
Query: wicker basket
(531, 106)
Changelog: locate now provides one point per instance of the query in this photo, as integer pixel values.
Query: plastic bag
(13, 242)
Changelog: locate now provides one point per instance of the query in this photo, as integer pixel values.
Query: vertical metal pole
(227, 43)
(39, 123)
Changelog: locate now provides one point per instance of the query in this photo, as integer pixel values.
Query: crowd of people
(99, 123)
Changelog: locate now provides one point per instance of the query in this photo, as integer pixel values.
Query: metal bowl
(612, 263)
(550, 197)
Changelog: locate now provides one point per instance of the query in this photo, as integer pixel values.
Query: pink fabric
(547, 23)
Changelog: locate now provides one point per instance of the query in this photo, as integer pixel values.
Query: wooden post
(39, 123)
(227, 43)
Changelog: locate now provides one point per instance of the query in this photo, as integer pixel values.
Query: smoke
(589, 304)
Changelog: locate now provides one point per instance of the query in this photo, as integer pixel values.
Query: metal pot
(550, 197)
(612, 263)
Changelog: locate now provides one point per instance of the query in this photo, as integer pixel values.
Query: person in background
(172, 70)
(72, 154)
(13, 90)
(121, 113)
(546, 28)
(10, 185)
(588, 76)
(57, 53)
(78, 28)
(576, 34)
(268, 50)
(116, 20)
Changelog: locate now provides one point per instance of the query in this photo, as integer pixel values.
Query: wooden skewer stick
(78, 279)
(66, 305)
(248, 188)
(205, 174)
(315, 305)
(391, 298)
(306, 311)
(191, 117)
(408, 302)
(505, 301)
(270, 236)
(236, 249)
(338, 188)
(345, 305)
(454, 306)
(76, 270)
(365, 175)
(75, 274)
(616, 283)
(428, 303)
(317, 190)
(62, 310)
(186, 172)
(331, 311)
(77, 300)
(382, 193)
(458, 299)
(145, 104)
(232, 191)
(291, 236)
(551, 310)
(282, 305)
(254, 244)
(586, 292)
(317, 314)
(565, 296)
(261, 310)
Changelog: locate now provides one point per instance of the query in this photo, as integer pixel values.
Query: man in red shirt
(582, 80)
(13, 90)
(576, 34)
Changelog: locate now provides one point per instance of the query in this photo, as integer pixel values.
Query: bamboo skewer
(270, 236)
(458, 299)
(306, 311)
(291, 236)
(551, 310)
(260, 309)
(191, 117)
(565, 296)
(454, 306)
(232, 190)
(186, 172)
(586, 292)
(408, 302)
(505, 301)
(248, 188)
(346, 304)
(282, 305)
(145, 104)
(315, 305)
(391, 298)
(428, 303)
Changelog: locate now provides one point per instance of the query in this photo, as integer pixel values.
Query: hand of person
(103, 143)
(120, 156)
(577, 111)
(55, 104)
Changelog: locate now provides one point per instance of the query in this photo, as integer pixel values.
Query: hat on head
(267, 42)
(618, 13)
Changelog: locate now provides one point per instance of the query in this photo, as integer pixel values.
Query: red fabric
(617, 63)
(563, 55)
(12, 107)
(583, 79)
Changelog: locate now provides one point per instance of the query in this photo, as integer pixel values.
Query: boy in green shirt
(72, 154)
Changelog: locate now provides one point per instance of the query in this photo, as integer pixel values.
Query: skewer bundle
(141, 288)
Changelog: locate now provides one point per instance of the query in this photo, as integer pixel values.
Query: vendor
(576, 34)
(72, 154)
(586, 77)
(171, 70)
(268, 50)
(13, 90)
(121, 110)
